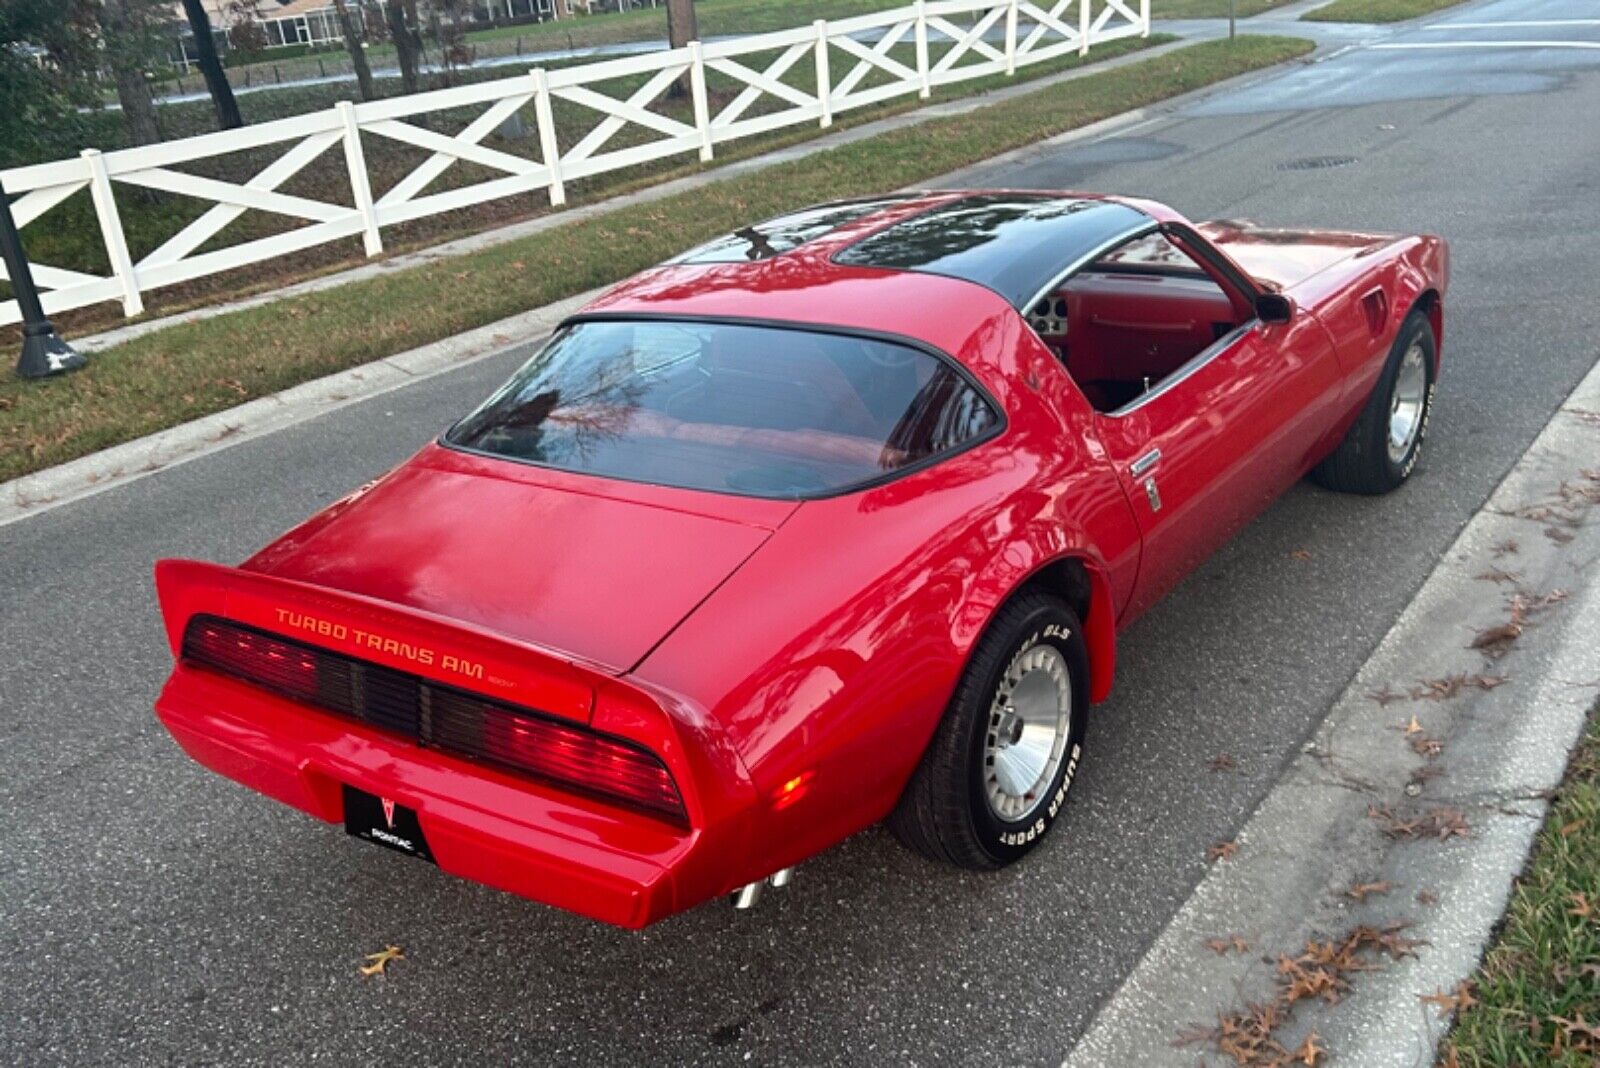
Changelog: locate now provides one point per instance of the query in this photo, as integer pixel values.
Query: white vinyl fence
(997, 37)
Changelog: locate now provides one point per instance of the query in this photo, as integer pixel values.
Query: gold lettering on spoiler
(366, 639)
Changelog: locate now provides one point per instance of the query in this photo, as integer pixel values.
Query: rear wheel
(1381, 448)
(997, 772)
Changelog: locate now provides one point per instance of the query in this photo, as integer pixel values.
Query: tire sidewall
(1414, 328)
(1006, 841)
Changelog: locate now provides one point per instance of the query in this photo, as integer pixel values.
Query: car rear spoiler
(406, 639)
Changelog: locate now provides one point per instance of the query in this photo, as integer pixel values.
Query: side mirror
(1274, 308)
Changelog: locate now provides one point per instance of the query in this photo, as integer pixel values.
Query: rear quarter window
(729, 407)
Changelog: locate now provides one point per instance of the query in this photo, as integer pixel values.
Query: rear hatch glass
(728, 407)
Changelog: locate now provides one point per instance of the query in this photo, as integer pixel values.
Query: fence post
(1144, 18)
(1083, 27)
(824, 78)
(922, 49)
(1011, 37)
(105, 208)
(548, 147)
(360, 187)
(702, 110)
(43, 351)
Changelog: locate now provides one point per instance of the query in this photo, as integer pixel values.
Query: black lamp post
(43, 351)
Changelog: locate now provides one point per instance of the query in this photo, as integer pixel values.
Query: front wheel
(1381, 448)
(997, 772)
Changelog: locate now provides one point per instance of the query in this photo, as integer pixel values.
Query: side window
(1132, 318)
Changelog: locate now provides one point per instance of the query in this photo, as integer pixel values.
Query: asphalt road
(152, 912)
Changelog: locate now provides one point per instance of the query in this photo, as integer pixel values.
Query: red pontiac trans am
(832, 520)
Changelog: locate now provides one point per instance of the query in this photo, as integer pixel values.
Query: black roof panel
(1013, 243)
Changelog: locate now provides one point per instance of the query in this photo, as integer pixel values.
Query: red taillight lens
(278, 665)
(582, 759)
(439, 716)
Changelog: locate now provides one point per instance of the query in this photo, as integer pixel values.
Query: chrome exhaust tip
(747, 895)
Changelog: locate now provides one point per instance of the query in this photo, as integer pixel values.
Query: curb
(1315, 836)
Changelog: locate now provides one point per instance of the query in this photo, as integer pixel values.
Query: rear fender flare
(1075, 573)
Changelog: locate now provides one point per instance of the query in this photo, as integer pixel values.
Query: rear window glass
(754, 410)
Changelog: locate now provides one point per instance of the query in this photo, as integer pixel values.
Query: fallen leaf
(378, 963)
(1300, 554)
(1576, 1026)
(1566, 829)
(1460, 998)
(1427, 897)
(1230, 944)
(1581, 906)
(1386, 696)
(1441, 823)
(1222, 762)
(1426, 747)
(1309, 1053)
(1498, 575)
(1222, 851)
(1413, 727)
(1360, 891)
(1497, 637)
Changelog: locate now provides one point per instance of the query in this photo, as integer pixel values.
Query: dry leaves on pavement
(378, 963)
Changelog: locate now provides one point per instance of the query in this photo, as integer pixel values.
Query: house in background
(315, 22)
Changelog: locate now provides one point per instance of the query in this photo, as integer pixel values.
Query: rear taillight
(438, 716)
(573, 756)
(276, 664)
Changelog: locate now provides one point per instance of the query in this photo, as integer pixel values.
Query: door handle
(1143, 464)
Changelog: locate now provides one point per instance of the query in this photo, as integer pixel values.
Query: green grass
(196, 368)
(1377, 10)
(1210, 9)
(1542, 976)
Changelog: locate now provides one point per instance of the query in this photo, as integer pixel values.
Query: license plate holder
(383, 822)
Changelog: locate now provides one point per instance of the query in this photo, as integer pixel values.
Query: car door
(1215, 442)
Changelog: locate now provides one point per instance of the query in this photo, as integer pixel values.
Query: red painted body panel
(787, 662)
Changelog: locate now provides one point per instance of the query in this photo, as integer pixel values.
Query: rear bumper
(600, 861)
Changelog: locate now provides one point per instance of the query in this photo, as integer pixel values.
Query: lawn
(192, 369)
(1377, 10)
(1536, 998)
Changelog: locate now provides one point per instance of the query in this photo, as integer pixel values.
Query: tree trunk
(681, 29)
(138, 108)
(405, 41)
(358, 54)
(126, 59)
(205, 47)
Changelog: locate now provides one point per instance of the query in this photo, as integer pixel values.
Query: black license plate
(379, 819)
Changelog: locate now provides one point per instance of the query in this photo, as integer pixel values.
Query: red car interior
(1120, 332)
